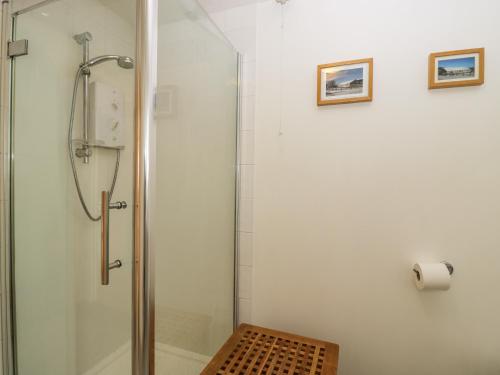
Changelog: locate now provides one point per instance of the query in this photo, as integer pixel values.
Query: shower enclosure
(146, 123)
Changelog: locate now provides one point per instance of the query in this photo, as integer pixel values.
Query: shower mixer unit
(95, 92)
(107, 138)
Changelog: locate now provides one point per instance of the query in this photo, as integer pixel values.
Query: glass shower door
(67, 322)
(193, 218)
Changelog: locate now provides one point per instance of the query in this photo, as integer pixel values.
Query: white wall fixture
(166, 100)
(107, 118)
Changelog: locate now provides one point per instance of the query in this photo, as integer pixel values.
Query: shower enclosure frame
(6, 207)
(143, 297)
(143, 302)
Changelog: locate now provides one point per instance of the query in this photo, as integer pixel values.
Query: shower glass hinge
(18, 48)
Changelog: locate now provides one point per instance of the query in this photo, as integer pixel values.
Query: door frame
(143, 277)
(7, 311)
(143, 298)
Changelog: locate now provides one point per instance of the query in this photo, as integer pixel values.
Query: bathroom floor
(169, 361)
(181, 337)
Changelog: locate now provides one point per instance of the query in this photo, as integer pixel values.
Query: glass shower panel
(67, 323)
(193, 222)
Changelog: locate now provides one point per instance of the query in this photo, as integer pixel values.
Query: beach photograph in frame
(345, 82)
(456, 68)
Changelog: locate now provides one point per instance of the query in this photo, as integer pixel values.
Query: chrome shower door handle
(105, 238)
(105, 265)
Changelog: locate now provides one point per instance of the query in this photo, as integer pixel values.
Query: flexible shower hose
(72, 157)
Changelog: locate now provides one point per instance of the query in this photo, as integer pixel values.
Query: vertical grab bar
(105, 238)
(105, 265)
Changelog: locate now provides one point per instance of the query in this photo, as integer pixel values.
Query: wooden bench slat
(253, 350)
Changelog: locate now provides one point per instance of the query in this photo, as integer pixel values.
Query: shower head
(124, 62)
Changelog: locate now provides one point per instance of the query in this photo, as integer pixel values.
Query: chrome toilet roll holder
(448, 265)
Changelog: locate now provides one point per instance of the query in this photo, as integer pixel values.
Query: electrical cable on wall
(282, 39)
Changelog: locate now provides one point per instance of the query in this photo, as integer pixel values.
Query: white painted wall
(349, 197)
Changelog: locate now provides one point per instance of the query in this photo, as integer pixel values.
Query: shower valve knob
(118, 205)
(83, 152)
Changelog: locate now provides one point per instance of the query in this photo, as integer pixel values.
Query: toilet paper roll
(432, 276)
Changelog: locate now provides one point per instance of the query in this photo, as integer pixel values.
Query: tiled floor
(184, 330)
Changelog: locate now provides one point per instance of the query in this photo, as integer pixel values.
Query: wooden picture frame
(456, 68)
(345, 82)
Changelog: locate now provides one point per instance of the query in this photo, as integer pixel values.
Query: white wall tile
(245, 280)
(250, 54)
(246, 249)
(248, 113)
(244, 41)
(247, 147)
(246, 175)
(245, 310)
(246, 215)
(249, 77)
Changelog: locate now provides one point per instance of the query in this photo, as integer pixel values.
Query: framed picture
(345, 82)
(456, 68)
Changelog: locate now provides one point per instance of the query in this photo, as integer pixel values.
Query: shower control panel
(106, 116)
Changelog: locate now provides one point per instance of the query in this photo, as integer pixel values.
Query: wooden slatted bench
(255, 350)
